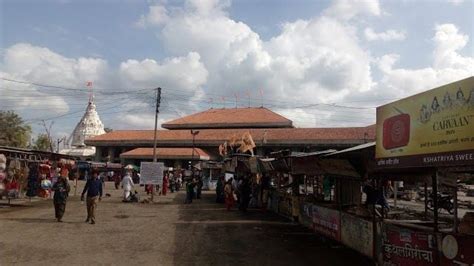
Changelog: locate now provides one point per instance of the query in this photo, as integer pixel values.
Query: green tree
(108, 129)
(14, 131)
(43, 143)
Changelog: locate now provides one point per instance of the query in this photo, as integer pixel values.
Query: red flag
(89, 84)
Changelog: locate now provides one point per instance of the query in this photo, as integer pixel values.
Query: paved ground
(164, 233)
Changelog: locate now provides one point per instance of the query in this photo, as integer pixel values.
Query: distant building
(89, 126)
(269, 130)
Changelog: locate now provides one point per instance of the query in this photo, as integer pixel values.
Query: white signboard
(151, 173)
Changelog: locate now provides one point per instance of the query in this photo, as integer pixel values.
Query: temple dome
(89, 126)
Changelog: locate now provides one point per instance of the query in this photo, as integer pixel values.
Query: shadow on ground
(206, 234)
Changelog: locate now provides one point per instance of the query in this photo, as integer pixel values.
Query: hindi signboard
(403, 246)
(151, 173)
(433, 128)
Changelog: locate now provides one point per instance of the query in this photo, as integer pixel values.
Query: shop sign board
(457, 250)
(357, 234)
(151, 173)
(433, 128)
(403, 246)
(327, 222)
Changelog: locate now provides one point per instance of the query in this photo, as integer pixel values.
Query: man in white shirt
(127, 185)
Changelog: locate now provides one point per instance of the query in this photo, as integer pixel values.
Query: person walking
(189, 191)
(229, 195)
(127, 185)
(93, 188)
(245, 191)
(117, 180)
(165, 185)
(220, 196)
(199, 185)
(61, 192)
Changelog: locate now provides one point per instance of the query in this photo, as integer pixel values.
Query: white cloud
(448, 65)
(157, 15)
(24, 61)
(456, 2)
(348, 9)
(389, 35)
(318, 59)
(448, 43)
(181, 73)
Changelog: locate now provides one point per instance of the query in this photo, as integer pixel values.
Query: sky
(320, 63)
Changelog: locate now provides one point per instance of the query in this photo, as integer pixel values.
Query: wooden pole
(426, 201)
(455, 206)
(395, 192)
(435, 200)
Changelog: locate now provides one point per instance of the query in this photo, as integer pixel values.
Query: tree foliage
(43, 143)
(14, 131)
(108, 129)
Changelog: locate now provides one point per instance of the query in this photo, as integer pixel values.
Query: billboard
(151, 173)
(433, 128)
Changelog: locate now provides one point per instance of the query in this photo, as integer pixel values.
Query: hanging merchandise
(12, 189)
(46, 184)
(2, 176)
(3, 162)
(23, 176)
(45, 180)
(33, 180)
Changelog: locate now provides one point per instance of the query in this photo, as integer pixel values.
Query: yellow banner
(436, 121)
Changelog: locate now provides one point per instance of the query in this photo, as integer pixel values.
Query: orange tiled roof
(213, 136)
(166, 153)
(252, 117)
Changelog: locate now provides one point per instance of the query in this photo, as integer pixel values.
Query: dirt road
(165, 233)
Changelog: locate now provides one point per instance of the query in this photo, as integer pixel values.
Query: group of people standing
(234, 191)
(193, 189)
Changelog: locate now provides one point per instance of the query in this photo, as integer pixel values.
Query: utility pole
(59, 142)
(48, 134)
(157, 110)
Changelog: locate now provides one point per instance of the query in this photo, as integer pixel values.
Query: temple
(89, 126)
(177, 146)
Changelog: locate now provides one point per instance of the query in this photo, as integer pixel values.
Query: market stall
(30, 173)
(425, 141)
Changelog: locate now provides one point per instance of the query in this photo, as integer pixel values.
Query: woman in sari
(61, 192)
(229, 195)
